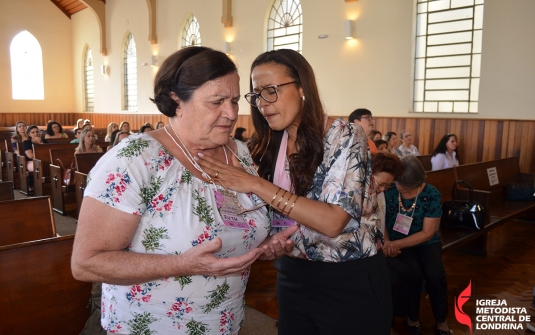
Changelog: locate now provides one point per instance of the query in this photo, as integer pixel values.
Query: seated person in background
(111, 128)
(406, 147)
(393, 141)
(363, 117)
(77, 132)
(241, 134)
(79, 123)
(381, 145)
(112, 139)
(160, 124)
(55, 130)
(87, 143)
(35, 138)
(119, 136)
(87, 125)
(19, 137)
(445, 154)
(145, 128)
(413, 247)
(125, 126)
(375, 135)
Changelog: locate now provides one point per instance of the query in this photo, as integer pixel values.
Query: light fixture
(350, 30)
(154, 61)
(226, 48)
(104, 69)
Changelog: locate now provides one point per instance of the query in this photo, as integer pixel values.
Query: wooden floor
(507, 272)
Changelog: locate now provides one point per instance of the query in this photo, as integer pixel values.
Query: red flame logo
(460, 315)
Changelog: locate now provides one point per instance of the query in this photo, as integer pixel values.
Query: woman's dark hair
(373, 133)
(49, 130)
(142, 129)
(441, 147)
(185, 71)
(386, 162)
(388, 135)
(238, 133)
(265, 142)
(113, 136)
(116, 139)
(379, 142)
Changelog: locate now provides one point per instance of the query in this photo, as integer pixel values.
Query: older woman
(406, 147)
(413, 211)
(87, 143)
(55, 130)
(172, 246)
(112, 126)
(445, 154)
(393, 141)
(315, 173)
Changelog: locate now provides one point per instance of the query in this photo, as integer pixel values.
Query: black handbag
(461, 213)
(520, 192)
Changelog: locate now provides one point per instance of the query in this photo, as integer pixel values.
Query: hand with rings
(216, 174)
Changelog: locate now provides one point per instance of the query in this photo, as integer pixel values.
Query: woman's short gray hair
(402, 133)
(414, 174)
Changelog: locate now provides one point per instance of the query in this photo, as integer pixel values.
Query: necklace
(413, 204)
(189, 156)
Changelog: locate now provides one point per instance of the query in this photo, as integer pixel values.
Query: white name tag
(403, 224)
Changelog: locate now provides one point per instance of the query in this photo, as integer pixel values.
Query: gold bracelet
(281, 199)
(288, 214)
(286, 203)
(271, 203)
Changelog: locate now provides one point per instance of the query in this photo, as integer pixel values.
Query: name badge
(402, 224)
(280, 220)
(229, 209)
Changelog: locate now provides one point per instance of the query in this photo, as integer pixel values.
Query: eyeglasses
(384, 186)
(369, 117)
(268, 93)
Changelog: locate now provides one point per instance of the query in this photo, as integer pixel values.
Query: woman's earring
(303, 97)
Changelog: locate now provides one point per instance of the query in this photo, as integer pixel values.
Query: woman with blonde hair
(87, 143)
(79, 124)
(111, 128)
(125, 126)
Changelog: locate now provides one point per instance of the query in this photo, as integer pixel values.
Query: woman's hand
(232, 176)
(391, 248)
(201, 261)
(279, 244)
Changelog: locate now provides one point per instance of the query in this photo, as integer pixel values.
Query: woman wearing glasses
(315, 175)
(173, 245)
(413, 211)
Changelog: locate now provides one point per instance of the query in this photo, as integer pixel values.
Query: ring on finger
(216, 174)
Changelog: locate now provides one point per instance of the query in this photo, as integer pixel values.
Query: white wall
(372, 71)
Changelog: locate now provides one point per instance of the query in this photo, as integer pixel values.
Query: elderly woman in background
(172, 244)
(87, 143)
(55, 130)
(406, 147)
(445, 154)
(413, 211)
(112, 126)
(393, 141)
(315, 173)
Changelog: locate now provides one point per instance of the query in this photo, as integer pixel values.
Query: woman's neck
(412, 193)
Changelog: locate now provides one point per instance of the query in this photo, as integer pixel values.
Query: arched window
(192, 34)
(26, 68)
(88, 81)
(130, 74)
(285, 26)
(448, 56)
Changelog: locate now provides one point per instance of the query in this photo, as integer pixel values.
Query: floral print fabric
(177, 211)
(343, 179)
(404, 151)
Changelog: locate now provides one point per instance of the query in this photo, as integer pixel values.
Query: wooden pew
(10, 161)
(3, 150)
(84, 164)
(25, 220)
(58, 190)
(6, 191)
(42, 162)
(426, 161)
(23, 175)
(38, 294)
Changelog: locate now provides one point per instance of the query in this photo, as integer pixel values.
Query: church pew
(42, 162)
(25, 220)
(23, 174)
(57, 187)
(84, 164)
(38, 294)
(10, 161)
(426, 161)
(6, 191)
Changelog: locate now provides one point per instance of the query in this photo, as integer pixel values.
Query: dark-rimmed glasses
(268, 93)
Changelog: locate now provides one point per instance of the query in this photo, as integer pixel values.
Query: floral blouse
(177, 211)
(403, 151)
(343, 179)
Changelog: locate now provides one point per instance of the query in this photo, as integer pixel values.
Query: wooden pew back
(85, 162)
(26, 220)
(38, 294)
(476, 174)
(42, 163)
(426, 161)
(443, 180)
(6, 191)
(66, 156)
